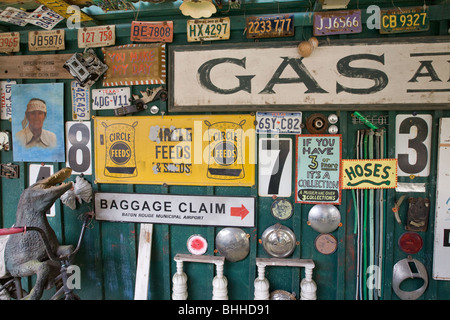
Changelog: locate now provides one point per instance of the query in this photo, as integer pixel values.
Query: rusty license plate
(274, 26)
(152, 31)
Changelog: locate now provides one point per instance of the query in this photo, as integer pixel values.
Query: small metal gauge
(282, 209)
(326, 243)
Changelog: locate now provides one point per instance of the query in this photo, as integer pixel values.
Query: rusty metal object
(418, 212)
(317, 123)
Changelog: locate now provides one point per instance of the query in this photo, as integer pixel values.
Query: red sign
(152, 31)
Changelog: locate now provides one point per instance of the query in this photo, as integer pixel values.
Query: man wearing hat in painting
(32, 135)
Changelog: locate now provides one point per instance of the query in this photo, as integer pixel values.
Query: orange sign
(135, 64)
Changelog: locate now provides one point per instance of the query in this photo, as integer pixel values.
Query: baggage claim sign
(208, 150)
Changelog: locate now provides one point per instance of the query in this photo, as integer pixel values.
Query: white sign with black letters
(333, 76)
(175, 209)
(78, 150)
(275, 167)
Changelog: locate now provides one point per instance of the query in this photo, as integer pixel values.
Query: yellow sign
(369, 174)
(210, 150)
(65, 10)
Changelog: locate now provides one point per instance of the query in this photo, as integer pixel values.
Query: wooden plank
(143, 263)
(49, 66)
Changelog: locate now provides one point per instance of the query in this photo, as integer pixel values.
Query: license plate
(111, 98)
(101, 36)
(5, 101)
(405, 20)
(270, 26)
(64, 9)
(279, 122)
(14, 16)
(208, 29)
(150, 31)
(45, 18)
(337, 22)
(46, 40)
(10, 42)
(80, 102)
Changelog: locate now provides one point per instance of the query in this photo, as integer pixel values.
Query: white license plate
(208, 29)
(110, 98)
(46, 40)
(80, 102)
(279, 122)
(9, 42)
(101, 36)
(45, 18)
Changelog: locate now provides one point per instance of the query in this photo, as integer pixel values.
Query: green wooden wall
(109, 252)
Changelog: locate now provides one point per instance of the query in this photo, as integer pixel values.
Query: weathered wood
(49, 66)
(143, 263)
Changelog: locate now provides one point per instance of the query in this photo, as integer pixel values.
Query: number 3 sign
(78, 149)
(413, 144)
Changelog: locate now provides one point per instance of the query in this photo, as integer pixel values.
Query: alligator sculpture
(25, 253)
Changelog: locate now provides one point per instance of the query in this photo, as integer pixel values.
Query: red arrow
(239, 212)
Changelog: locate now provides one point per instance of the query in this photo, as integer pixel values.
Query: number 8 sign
(78, 147)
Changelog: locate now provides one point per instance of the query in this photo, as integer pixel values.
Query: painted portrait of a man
(33, 134)
(37, 122)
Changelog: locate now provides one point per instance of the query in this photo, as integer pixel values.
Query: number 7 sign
(275, 167)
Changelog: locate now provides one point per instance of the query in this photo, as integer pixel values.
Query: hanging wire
(137, 12)
(400, 9)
